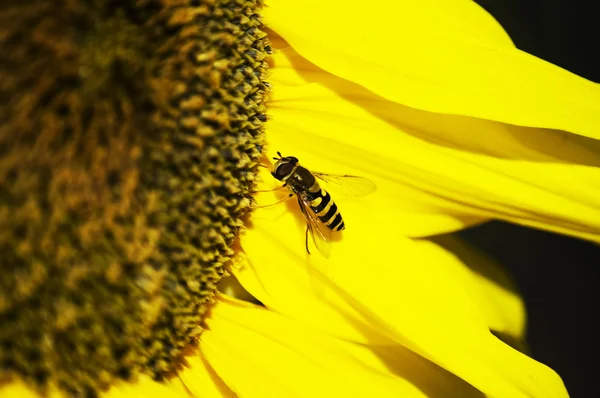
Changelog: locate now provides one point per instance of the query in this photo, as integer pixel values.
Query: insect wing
(320, 235)
(348, 185)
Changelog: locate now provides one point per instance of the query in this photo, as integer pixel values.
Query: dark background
(559, 277)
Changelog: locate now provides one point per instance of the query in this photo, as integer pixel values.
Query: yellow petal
(378, 285)
(417, 213)
(18, 389)
(456, 170)
(291, 287)
(199, 379)
(491, 290)
(408, 52)
(264, 354)
(382, 286)
(230, 286)
(144, 387)
(434, 315)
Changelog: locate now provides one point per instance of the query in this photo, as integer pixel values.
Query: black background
(559, 277)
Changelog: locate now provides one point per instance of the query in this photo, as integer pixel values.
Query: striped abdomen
(325, 208)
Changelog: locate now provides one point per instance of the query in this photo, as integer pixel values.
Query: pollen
(130, 133)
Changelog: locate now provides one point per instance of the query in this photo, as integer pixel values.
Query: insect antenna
(276, 203)
(270, 190)
(280, 156)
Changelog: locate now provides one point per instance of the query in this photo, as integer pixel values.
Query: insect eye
(284, 169)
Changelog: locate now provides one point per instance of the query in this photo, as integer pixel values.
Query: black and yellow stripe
(325, 208)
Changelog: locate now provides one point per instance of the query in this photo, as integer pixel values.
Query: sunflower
(131, 138)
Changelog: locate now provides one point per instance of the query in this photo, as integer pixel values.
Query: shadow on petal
(502, 140)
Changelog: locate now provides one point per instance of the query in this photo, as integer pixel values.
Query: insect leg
(303, 210)
(276, 203)
(319, 233)
(306, 239)
(270, 190)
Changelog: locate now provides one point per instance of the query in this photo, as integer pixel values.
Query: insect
(318, 208)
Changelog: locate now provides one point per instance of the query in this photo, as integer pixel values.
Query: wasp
(320, 211)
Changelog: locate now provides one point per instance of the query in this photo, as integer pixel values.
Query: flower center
(129, 138)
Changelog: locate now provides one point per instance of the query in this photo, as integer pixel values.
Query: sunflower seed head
(129, 138)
